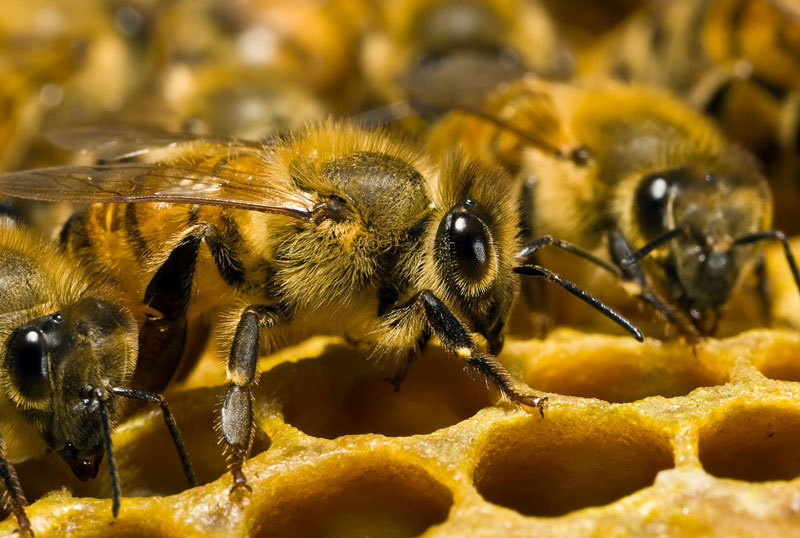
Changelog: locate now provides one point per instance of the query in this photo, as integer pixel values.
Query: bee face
(702, 265)
(51, 361)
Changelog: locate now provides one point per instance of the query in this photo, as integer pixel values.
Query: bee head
(704, 214)
(474, 245)
(51, 362)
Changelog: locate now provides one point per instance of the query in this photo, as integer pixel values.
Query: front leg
(237, 409)
(456, 340)
(633, 275)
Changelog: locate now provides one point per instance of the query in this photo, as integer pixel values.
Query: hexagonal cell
(343, 392)
(564, 463)
(776, 357)
(614, 369)
(353, 495)
(756, 444)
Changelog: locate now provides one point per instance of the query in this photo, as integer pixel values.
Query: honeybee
(311, 43)
(736, 60)
(438, 46)
(633, 181)
(244, 102)
(333, 229)
(69, 350)
(59, 61)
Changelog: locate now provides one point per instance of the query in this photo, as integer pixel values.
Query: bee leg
(162, 337)
(620, 249)
(237, 408)
(14, 489)
(455, 339)
(226, 259)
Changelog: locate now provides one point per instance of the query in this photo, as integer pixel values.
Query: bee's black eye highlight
(652, 198)
(463, 241)
(27, 356)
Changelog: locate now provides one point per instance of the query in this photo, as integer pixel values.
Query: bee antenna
(579, 156)
(780, 236)
(580, 293)
(402, 109)
(97, 394)
(177, 439)
(651, 246)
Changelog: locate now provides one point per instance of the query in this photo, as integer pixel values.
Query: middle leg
(237, 408)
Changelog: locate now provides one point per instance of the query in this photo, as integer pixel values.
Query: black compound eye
(465, 239)
(27, 355)
(652, 198)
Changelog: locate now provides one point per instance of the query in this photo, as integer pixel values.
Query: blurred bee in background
(68, 353)
(458, 50)
(245, 69)
(736, 60)
(309, 43)
(633, 181)
(357, 224)
(243, 103)
(60, 62)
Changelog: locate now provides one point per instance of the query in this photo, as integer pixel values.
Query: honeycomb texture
(653, 439)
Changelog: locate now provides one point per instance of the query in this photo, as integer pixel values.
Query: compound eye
(27, 355)
(466, 240)
(652, 197)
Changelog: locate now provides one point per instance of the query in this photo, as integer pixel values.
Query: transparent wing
(147, 182)
(117, 143)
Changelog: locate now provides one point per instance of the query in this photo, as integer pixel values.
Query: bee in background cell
(60, 62)
(456, 50)
(308, 44)
(633, 181)
(736, 60)
(245, 103)
(330, 230)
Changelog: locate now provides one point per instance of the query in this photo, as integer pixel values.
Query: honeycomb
(659, 438)
(652, 439)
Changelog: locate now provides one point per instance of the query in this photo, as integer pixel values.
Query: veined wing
(220, 185)
(118, 143)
